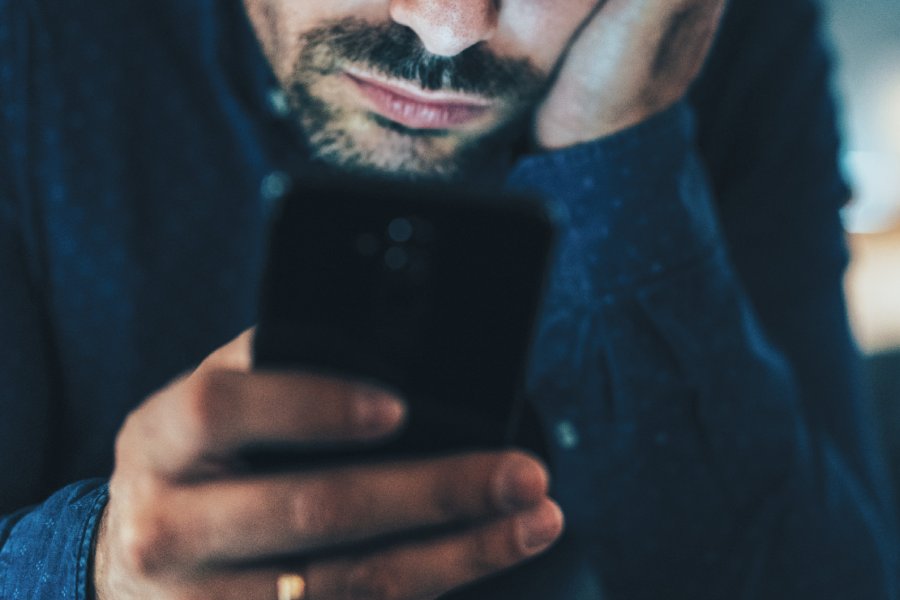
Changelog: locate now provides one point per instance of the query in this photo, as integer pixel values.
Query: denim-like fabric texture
(693, 367)
(46, 551)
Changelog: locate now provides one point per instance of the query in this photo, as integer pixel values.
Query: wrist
(98, 568)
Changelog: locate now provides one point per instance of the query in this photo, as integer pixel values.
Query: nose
(448, 27)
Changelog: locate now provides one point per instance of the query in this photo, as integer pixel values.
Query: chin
(366, 148)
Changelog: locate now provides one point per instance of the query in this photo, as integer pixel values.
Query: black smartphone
(428, 291)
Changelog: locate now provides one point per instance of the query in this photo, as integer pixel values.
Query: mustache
(395, 51)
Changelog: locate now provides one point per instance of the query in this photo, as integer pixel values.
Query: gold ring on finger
(291, 586)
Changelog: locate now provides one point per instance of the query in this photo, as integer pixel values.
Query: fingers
(180, 518)
(414, 571)
(208, 418)
(675, 36)
(630, 60)
(230, 522)
(428, 570)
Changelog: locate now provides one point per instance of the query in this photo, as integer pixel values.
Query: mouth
(416, 109)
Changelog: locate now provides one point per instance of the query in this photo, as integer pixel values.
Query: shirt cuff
(48, 553)
(636, 204)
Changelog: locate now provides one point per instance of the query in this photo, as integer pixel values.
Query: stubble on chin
(342, 134)
(350, 139)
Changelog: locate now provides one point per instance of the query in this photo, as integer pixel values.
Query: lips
(417, 112)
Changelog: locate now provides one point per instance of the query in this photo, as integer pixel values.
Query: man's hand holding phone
(185, 521)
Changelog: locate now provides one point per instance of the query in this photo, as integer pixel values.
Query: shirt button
(279, 103)
(275, 186)
(567, 435)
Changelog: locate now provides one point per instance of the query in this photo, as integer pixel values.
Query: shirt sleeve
(46, 552)
(694, 362)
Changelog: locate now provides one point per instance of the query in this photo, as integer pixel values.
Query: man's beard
(368, 144)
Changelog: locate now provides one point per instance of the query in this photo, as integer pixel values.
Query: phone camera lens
(400, 230)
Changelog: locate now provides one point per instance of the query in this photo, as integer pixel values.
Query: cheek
(540, 29)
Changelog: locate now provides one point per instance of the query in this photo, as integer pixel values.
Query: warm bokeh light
(866, 37)
(873, 286)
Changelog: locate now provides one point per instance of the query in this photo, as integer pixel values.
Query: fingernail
(540, 528)
(521, 483)
(377, 412)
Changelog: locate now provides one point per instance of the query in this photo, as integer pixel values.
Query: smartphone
(429, 291)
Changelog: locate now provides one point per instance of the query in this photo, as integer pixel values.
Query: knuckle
(147, 421)
(316, 511)
(147, 544)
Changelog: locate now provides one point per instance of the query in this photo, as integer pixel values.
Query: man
(692, 368)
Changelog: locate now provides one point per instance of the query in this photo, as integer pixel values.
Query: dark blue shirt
(693, 366)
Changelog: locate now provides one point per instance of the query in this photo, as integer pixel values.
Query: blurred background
(866, 36)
